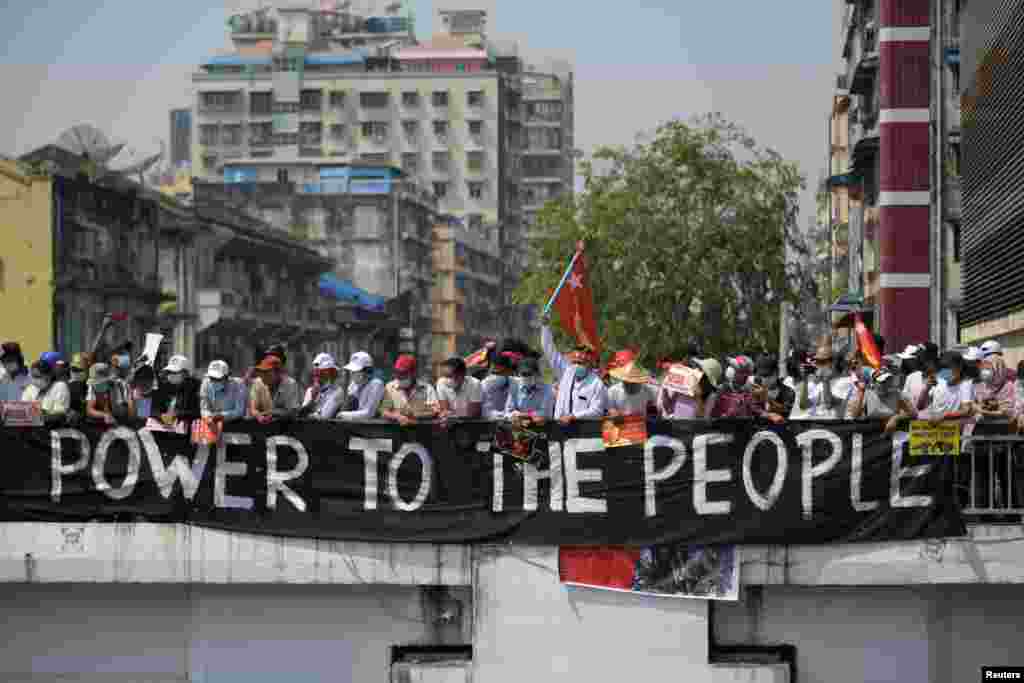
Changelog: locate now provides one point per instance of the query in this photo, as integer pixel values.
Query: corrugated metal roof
(336, 58)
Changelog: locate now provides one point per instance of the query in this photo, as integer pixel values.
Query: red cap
(269, 363)
(405, 363)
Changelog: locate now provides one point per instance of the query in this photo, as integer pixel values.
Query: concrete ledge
(175, 553)
(992, 554)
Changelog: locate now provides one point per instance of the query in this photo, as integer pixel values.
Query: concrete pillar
(904, 186)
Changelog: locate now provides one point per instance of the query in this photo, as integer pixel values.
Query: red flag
(478, 357)
(866, 342)
(575, 304)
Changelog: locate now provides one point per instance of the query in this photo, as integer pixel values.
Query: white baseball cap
(360, 361)
(325, 361)
(910, 352)
(991, 348)
(178, 364)
(218, 370)
(972, 353)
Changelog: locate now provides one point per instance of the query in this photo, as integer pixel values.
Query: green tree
(685, 238)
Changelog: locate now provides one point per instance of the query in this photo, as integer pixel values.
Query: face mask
(217, 385)
(865, 375)
(405, 383)
(581, 372)
(987, 375)
(175, 379)
(77, 376)
(730, 373)
(12, 368)
(124, 360)
(360, 378)
(946, 375)
(499, 381)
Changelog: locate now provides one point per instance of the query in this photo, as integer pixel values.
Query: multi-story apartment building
(77, 250)
(371, 223)
(465, 292)
(993, 201)
(307, 89)
(903, 142)
(180, 148)
(846, 254)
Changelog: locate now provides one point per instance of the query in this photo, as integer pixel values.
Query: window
(311, 134)
(286, 107)
(208, 135)
(231, 135)
(337, 100)
(380, 158)
(283, 139)
(338, 133)
(375, 130)
(442, 160)
(410, 129)
(955, 226)
(261, 133)
(475, 222)
(954, 158)
(440, 98)
(410, 99)
(261, 104)
(544, 138)
(475, 98)
(373, 100)
(475, 161)
(311, 100)
(954, 70)
(441, 130)
(476, 128)
(220, 101)
(282, 176)
(440, 190)
(476, 190)
(410, 162)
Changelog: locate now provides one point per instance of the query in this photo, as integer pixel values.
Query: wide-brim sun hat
(631, 373)
(712, 370)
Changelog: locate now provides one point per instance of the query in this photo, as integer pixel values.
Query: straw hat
(630, 373)
(712, 370)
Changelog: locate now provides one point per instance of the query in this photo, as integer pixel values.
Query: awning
(336, 59)
(342, 290)
(237, 60)
(844, 180)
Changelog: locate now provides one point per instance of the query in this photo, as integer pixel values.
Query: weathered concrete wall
(528, 627)
(172, 553)
(925, 634)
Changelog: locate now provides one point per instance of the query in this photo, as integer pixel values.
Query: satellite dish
(89, 143)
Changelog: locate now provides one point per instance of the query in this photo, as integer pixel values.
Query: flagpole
(565, 277)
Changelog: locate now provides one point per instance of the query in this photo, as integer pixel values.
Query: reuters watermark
(1002, 673)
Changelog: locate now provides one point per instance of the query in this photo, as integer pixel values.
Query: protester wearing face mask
(530, 398)
(330, 396)
(52, 394)
(680, 396)
(735, 398)
(221, 396)
(77, 386)
(876, 396)
(272, 395)
(407, 398)
(581, 393)
(121, 360)
(496, 386)
(994, 394)
(16, 376)
(457, 394)
(774, 398)
(106, 399)
(176, 400)
(946, 396)
(632, 394)
(815, 397)
(365, 391)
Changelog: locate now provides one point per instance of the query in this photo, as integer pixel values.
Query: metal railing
(990, 475)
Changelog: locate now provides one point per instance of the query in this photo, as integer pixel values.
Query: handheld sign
(22, 414)
(929, 439)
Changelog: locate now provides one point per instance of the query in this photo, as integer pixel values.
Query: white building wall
(528, 627)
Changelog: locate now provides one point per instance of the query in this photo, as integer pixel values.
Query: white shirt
(947, 399)
(817, 409)
(912, 387)
(586, 398)
(630, 404)
(56, 400)
(368, 396)
(459, 401)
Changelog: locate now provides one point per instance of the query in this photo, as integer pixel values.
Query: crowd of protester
(919, 383)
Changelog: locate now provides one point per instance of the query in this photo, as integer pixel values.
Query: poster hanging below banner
(934, 439)
(687, 482)
(673, 569)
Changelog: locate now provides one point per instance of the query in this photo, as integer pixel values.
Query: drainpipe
(938, 244)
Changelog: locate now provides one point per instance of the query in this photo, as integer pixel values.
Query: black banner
(736, 482)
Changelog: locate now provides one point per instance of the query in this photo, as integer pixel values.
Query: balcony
(864, 134)
(862, 66)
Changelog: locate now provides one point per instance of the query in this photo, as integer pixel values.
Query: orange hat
(269, 363)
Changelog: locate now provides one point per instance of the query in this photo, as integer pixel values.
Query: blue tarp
(339, 59)
(369, 186)
(240, 175)
(237, 60)
(952, 55)
(342, 290)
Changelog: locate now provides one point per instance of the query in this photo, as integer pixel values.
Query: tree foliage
(685, 236)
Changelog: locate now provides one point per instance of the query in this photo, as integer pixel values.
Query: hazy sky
(768, 66)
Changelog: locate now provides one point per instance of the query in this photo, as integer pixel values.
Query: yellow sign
(929, 439)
